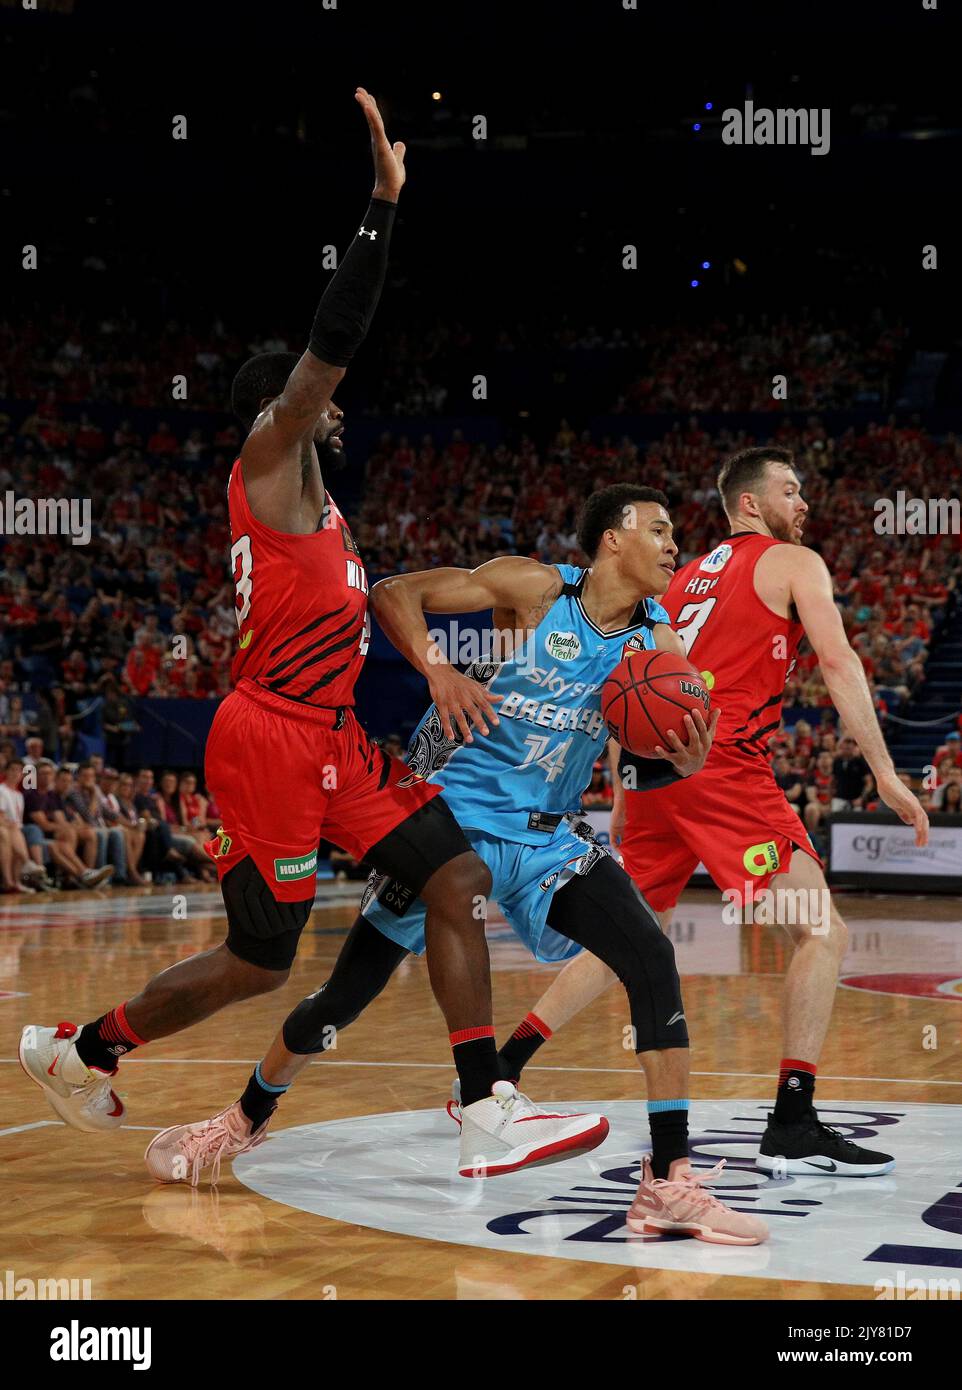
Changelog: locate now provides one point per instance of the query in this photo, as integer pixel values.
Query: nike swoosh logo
(675, 1018)
(52, 1069)
(824, 1167)
(118, 1105)
(245, 641)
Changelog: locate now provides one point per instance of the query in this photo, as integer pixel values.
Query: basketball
(647, 696)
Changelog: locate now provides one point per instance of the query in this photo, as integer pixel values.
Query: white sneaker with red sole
(183, 1152)
(79, 1094)
(507, 1132)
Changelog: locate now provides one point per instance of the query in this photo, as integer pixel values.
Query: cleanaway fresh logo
(295, 868)
(76, 1343)
(13, 1288)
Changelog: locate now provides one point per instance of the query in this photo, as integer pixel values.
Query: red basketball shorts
(732, 816)
(285, 777)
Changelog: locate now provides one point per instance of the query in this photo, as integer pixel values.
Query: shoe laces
(206, 1144)
(691, 1185)
(836, 1135)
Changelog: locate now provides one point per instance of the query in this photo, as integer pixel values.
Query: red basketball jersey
(728, 633)
(301, 605)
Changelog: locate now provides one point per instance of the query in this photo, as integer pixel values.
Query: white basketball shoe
(79, 1094)
(507, 1132)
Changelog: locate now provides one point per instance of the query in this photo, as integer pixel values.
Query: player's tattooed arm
(511, 583)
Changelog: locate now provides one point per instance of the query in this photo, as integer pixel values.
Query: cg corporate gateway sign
(878, 851)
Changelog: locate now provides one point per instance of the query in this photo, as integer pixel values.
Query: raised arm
(511, 582)
(282, 431)
(811, 592)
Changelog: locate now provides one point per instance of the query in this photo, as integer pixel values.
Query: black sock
(476, 1059)
(102, 1043)
(669, 1134)
(259, 1100)
(523, 1043)
(796, 1091)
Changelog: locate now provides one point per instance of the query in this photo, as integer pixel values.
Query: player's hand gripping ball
(647, 695)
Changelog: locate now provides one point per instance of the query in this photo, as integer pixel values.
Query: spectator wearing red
(142, 665)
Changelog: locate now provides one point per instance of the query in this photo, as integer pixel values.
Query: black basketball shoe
(811, 1147)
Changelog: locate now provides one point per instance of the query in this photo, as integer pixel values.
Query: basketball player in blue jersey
(516, 792)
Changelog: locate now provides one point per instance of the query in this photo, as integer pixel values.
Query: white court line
(449, 1066)
(41, 1124)
(37, 1124)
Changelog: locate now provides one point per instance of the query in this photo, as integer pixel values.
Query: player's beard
(330, 459)
(781, 529)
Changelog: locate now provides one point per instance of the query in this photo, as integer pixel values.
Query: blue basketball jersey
(532, 767)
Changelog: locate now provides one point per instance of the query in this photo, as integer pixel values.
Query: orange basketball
(647, 695)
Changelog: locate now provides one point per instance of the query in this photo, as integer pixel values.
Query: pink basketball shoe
(680, 1203)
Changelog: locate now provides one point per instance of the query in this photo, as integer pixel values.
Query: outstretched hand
(389, 171)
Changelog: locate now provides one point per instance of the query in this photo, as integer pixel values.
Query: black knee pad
(261, 930)
(313, 1025)
(364, 966)
(604, 911)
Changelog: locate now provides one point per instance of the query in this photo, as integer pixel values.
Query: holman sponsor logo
(296, 868)
(76, 1343)
(46, 516)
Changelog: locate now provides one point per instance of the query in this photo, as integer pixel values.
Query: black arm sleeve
(645, 774)
(347, 305)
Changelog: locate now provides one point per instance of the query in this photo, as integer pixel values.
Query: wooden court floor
(82, 1206)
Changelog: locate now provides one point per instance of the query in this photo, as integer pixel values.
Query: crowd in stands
(148, 608)
(90, 825)
(723, 365)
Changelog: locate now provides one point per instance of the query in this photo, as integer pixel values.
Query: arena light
(706, 265)
(695, 284)
(709, 105)
(435, 96)
(697, 125)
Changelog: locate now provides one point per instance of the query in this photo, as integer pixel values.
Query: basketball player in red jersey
(289, 765)
(741, 612)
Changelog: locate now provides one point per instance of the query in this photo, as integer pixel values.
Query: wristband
(645, 774)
